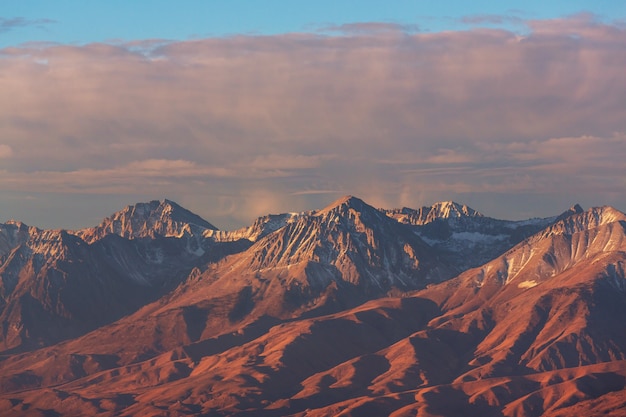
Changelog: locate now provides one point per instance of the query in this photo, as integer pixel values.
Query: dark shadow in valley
(207, 347)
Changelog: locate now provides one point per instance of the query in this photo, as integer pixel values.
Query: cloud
(316, 192)
(8, 24)
(273, 162)
(296, 117)
(568, 165)
(5, 151)
(154, 173)
(125, 179)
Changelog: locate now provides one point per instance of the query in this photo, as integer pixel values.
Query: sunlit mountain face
(348, 310)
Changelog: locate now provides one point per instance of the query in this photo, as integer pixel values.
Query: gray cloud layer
(241, 126)
(8, 24)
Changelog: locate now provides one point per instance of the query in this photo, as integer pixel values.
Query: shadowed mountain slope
(346, 311)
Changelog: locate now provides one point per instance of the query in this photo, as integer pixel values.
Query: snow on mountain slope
(261, 226)
(164, 218)
(344, 253)
(424, 215)
(351, 242)
(322, 261)
(54, 284)
(346, 248)
(464, 237)
(541, 305)
(582, 238)
(537, 330)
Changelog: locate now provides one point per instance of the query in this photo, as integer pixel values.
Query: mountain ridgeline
(347, 310)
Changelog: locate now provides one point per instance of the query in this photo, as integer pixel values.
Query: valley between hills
(349, 310)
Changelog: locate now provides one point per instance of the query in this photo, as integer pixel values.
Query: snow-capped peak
(585, 220)
(447, 209)
(424, 215)
(157, 217)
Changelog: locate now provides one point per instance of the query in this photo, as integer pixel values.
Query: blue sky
(246, 108)
(79, 22)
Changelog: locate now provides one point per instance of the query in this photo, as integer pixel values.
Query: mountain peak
(440, 210)
(348, 241)
(162, 210)
(156, 217)
(162, 205)
(346, 201)
(570, 223)
(170, 205)
(16, 223)
(576, 208)
(447, 209)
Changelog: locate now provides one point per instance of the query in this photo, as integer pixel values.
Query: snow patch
(527, 284)
(536, 221)
(477, 237)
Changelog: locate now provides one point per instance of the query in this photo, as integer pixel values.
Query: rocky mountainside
(324, 261)
(348, 310)
(156, 218)
(143, 251)
(465, 237)
(56, 284)
(425, 215)
(351, 243)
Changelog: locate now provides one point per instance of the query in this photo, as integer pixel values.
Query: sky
(239, 109)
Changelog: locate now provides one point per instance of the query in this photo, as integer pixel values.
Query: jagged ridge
(536, 331)
(164, 218)
(425, 215)
(355, 240)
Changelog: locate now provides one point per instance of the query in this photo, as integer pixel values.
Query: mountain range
(349, 310)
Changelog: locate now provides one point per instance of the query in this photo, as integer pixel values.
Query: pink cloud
(371, 114)
(5, 151)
